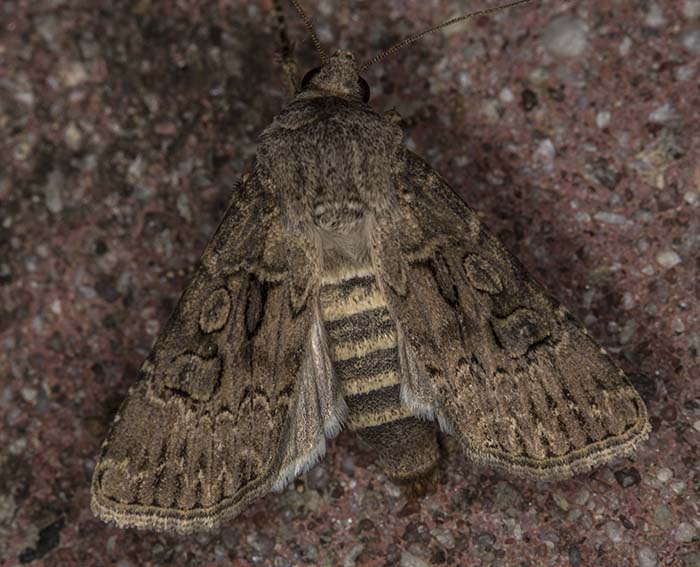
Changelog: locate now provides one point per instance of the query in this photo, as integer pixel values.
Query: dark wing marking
(487, 352)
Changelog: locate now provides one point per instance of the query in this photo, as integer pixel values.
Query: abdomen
(362, 343)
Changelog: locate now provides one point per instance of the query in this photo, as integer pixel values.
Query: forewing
(487, 352)
(206, 429)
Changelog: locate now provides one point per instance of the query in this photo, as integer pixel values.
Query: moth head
(337, 77)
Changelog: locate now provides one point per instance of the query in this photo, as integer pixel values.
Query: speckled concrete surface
(573, 127)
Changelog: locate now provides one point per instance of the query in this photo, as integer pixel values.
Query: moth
(349, 286)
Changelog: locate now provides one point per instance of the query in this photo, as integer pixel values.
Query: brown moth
(348, 285)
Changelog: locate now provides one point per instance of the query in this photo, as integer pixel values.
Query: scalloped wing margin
(237, 394)
(485, 351)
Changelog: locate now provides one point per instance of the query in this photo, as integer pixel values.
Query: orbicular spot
(520, 330)
(194, 376)
(215, 311)
(481, 275)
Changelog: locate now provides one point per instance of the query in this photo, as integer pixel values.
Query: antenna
(418, 36)
(310, 27)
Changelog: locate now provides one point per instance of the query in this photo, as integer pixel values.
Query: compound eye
(309, 75)
(364, 89)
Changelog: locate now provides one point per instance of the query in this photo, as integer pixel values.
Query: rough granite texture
(573, 127)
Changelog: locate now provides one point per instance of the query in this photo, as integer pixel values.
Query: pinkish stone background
(573, 127)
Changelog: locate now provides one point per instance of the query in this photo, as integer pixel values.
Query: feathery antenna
(418, 36)
(310, 27)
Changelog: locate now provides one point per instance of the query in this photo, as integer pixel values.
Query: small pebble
(574, 555)
(351, 558)
(691, 40)
(545, 150)
(318, 478)
(73, 137)
(416, 532)
(614, 531)
(444, 536)
(261, 543)
(691, 9)
(665, 115)
(610, 218)
(691, 197)
(183, 207)
(655, 16)
(668, 259)
(111, 543)
(550, 539)
(627, 477)
(664, 474)
(646, 557)
(29, 394)
(230, 537)
(683, 73)
(506, 95)
(663, 517)
(485, 540)
(505, 495)
(489, 110)
(677, 326)
(561, 500)
(220, 554)
(691, 559)
(602, 119)
(628, 331)
(73, 74)
(410, 560)
(643, 245)
(565, 36)
(582, 496)
(685, 532)
(53, 191)
(605, 173)
(625, 46)
(348, 465)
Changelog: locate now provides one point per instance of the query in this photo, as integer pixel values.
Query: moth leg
(421, 487)
(285, 54)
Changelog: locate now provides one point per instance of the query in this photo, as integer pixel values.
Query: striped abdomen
(362, 342)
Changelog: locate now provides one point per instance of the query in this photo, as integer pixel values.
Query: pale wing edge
(416, 395)
(319, 413)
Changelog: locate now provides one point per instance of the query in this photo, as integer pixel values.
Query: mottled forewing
(202, 433)
(501, 365)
